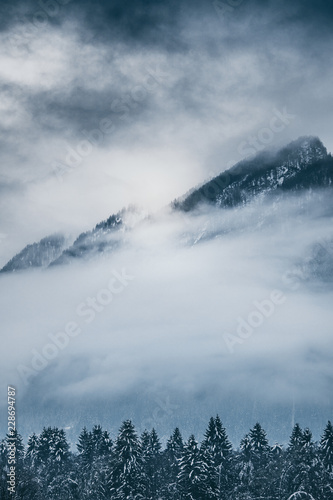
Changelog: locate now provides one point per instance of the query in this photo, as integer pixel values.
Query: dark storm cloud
(159, 23)
(147, 22)
(71, 110)
(144, 21)
(156, 22)
(312, 12)
(171, 27)
(9, 12)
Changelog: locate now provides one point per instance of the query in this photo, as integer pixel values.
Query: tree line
(134, 467)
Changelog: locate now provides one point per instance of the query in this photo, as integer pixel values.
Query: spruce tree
(171, 457)
(32, 450)
(97, 439)
(275, 471)
(60, 447)
(253, 472)
(194, 478)
(243, 469)
(44, 449)
(259, 446)
(127, 471)
(295, 441)
(302, 469)
(106, 444)
(326, 447)
(94, 461)
(310, 465)
(326, 456)
(217, 445)
(85, 448)
(152, 464)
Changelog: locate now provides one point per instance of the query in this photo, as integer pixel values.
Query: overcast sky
(169, 94)
(185, 84)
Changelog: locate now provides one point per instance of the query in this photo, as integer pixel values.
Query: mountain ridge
(301, 165)
(36, 255)
(266, 170)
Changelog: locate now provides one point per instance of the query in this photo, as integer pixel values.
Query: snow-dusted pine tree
(171, 458)
(127, 469)
(326, 447)
(217, 445)
(152, 464)
(195, 481)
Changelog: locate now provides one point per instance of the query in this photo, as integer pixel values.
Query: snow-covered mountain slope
(302, 164)
(104, 237)
(107, 236)
(266, 181)
(38, 254)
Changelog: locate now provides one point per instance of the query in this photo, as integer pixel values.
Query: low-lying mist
(193, 315)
